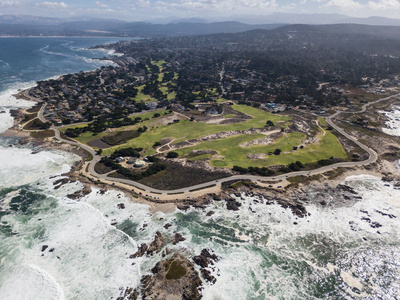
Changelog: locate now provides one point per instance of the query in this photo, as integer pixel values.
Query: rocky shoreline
(177, 277)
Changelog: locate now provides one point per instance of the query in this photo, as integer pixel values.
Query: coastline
(170, 202)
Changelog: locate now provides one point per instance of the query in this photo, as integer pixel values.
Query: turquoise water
(265, 251)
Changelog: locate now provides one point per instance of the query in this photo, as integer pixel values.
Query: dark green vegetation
(42, 134)
(175, 270)
(120, 137)
(36, 124)
(122, 172)
(176, 176)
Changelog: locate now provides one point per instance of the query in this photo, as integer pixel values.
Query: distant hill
(314, 19)
(20, 25)
(37, 26)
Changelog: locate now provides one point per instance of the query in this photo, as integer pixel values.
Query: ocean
(52, 247)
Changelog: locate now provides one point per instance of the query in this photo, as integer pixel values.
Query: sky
(140, 10)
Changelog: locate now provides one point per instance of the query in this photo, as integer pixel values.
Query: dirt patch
(99, 144)
(257, 156)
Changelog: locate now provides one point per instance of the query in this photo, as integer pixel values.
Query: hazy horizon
(142, 10)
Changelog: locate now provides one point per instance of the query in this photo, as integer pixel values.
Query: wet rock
(205, 258)
(60, 182)
(210, 213)
(178, 238)
(79, 194)
(141, 251)
(232, 204)
(44, 247)
(156, 245)
(121, 205)
(385, 214)
(207, 276)
(174, 278)
(375, 225)
(387, 179)
(129, 294)
(51, 250)
(346, 188)
(168, 225)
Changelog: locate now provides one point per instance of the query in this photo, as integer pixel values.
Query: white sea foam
(393, 122)
(29, 282)
(19, 166)
(8, 102)
(285, 256)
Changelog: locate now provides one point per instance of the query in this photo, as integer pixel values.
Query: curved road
(188, 190)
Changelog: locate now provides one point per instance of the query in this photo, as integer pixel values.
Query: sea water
(52, 247)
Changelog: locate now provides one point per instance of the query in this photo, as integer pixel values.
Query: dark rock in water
(375, 225)
(387, 179)
(385, 214)
(79, 194)
(121, 205)
(51, 250)
(232, 204)
(168, 225)
(129, 294)
(178, 238)
(346, 189)
(208, 277)
(214, 197)
(174, 278)
(60, 182)
(210, 213)
(205, 258)
(44, 247)
(141, 251)
(156, 245)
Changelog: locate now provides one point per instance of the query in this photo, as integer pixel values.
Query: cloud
(384, 5)
(140, 3)
(102, 5)
(221, 5)
(52, 4)
(344, 4)
(10, 3)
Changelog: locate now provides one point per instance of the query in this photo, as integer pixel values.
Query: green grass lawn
(233, 154)
(88, 136)
(185, 130)
(229, 150)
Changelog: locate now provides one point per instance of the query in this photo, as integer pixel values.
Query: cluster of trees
(254, 171)
(124, 152)
(172, 154)
(102, 124)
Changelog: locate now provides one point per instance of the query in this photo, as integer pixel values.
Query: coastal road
(187, 191)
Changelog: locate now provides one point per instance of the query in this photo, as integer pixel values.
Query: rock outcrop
(175, 278)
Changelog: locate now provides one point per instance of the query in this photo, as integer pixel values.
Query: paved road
(96, 158)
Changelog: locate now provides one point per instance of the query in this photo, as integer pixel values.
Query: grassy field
(185, 130)
(230, 151)
(88, 136)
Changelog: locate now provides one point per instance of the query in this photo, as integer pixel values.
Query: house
(120, 159)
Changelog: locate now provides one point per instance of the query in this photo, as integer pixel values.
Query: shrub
(172, 154)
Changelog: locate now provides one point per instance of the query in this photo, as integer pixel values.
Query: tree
(277, 151)
(270, 123)
(172, 154)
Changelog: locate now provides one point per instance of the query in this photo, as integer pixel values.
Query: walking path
(205, 187)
